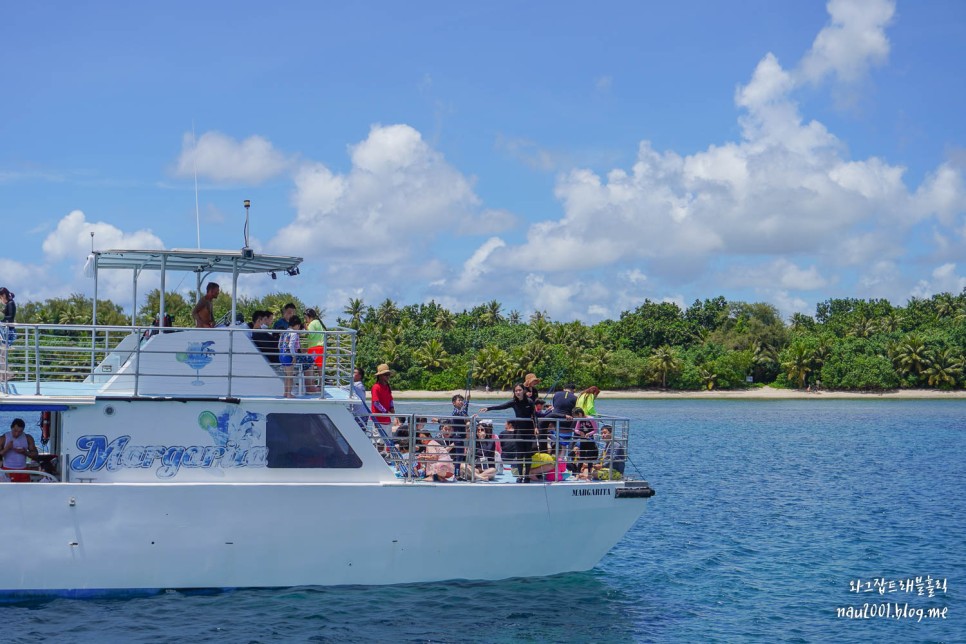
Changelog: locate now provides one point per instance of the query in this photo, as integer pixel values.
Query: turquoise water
(764, 514)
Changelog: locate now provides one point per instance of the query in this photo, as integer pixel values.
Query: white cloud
(71, 239)
(634, 276)
(945, 279)
(399, 195)
(475, 267)
(793, 277)
(220, 158)
(853, 41)
(786, 188)
(555, 299)
(488, 222)
(779, 272)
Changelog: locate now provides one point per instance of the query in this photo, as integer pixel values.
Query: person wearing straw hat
(382, 395)
(530, 383)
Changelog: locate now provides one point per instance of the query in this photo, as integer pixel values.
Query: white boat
(174, 461)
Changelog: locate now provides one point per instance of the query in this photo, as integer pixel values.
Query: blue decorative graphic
(197, 355)
(232, 427)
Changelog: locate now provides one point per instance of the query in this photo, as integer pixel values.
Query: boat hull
(78, 538)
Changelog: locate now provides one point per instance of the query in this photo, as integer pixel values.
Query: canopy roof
(198, 261)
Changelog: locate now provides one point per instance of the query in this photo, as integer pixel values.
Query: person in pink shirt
(435, 457)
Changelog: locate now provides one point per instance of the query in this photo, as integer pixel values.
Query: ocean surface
(767, 516)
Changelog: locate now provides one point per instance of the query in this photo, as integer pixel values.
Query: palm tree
(432, 356)
(891, 322)
(863, 327)
(943, 368)
(525, 358)
(539, 316)
(561, 334)
(493, 365)
(542, 329)
(708, 377)
(598, 359)
(444, 320)
(354, 309)
(799, 363)
(514, 317)
(491, 313)
(945, 305)
(387, 313)
(800, 321)
(910, 355)
(664, 359)
(389, 350)
(761, 358)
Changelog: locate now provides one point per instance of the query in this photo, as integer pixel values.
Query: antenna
(194, 169)
(246, 251)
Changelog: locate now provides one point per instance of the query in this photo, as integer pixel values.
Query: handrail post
(231, 344)
(37, 359)
(137, 362)
(471, 447)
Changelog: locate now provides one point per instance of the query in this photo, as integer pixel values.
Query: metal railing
(506, 450)
(40, 358)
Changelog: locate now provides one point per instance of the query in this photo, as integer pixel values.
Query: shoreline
(757, 393)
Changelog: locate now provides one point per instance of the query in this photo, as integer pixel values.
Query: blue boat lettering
(98, 451)
(119, 454)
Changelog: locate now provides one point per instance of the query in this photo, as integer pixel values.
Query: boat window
(307, 441)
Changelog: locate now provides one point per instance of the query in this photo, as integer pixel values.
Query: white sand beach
(756, 393)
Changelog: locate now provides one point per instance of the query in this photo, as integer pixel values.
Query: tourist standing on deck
(524, 431)
(287, 312)
(360, 410)
(382, 397)
(290, 353)
(204, 312)
(530, 383)
(315, 343)
(9, 306)
(15, 447)
(586, 400)
(8, 334)
(564, 402)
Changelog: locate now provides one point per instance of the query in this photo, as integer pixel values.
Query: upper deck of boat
(87, 361)
(96, 360)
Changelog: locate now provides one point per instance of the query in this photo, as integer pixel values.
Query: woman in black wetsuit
(520, 448)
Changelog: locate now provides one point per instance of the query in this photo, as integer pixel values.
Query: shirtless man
(203, 313)
(15, 447)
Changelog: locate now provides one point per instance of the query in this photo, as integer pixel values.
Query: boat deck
(65, 361)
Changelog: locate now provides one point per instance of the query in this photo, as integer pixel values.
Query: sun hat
(383, 369)
(531, 379)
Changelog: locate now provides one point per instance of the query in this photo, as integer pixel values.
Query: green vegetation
(849, 344)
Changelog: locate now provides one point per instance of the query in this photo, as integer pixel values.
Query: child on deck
(290, 353)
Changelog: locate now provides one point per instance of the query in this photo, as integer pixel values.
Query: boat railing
(59, 360)
(506, 450)
(34, 475)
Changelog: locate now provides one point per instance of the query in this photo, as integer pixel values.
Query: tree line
(849, 344)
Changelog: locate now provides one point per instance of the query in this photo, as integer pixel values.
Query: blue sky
(574, 158)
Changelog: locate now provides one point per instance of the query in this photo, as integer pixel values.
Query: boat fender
(44, 427)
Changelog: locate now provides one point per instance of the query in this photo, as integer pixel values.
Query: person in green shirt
(586, 400)
(315, 343)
